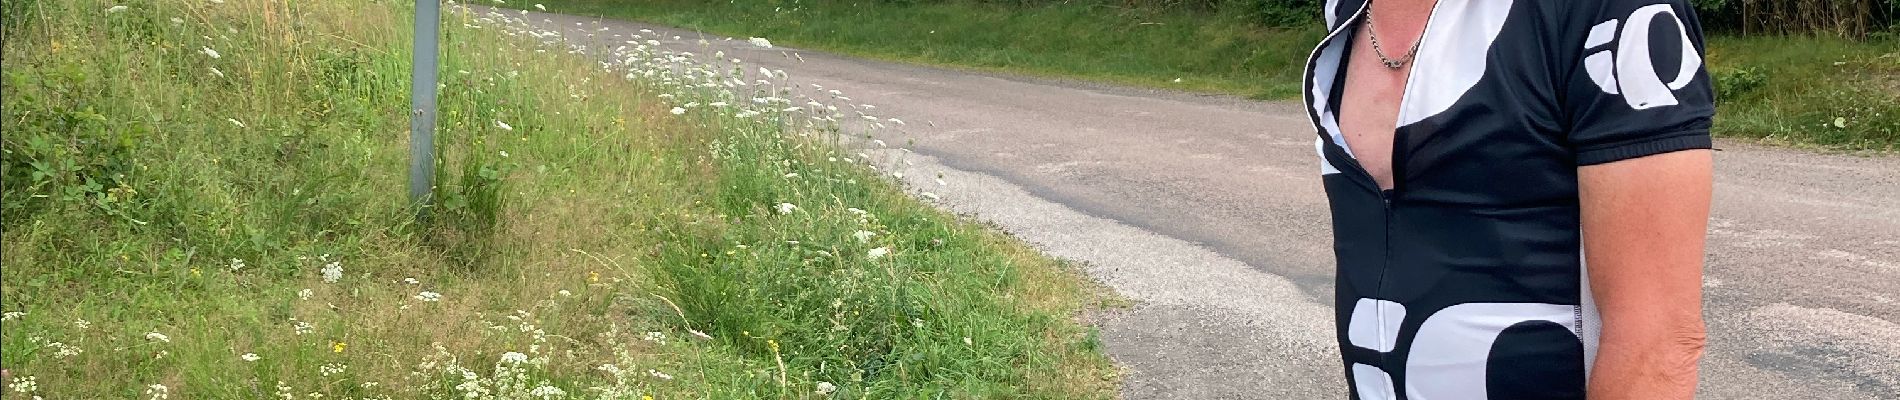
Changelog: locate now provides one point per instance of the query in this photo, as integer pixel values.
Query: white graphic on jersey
(1375, 324)
(1449, 353)
(1452, 55)
(1372, 383)
(1633, 75)
(1325, 167)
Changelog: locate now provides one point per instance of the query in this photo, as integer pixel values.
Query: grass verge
(1787, 90)
(204, 199)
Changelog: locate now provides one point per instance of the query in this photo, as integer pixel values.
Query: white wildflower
(236, 264)
(62, 350)
(332, 272)
(302, 328)
(565, 293)
(678, 110)
(305, 294)
(209, 52)
(158, 392)
(761, 42)
(514, 357)
(429, 296)
(547, 392)
(24, 384)
(411, 281)
(863, 236)
(786, 208)
(155, 336)
(82, 324)
(661, 375)
(332, 369)
(12, 315)
(656, 337)
(877, 253)
(249, 357)
(825, 388)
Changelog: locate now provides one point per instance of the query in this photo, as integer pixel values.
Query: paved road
(1208, 211)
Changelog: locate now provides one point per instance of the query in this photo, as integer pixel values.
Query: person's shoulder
(1593, 12)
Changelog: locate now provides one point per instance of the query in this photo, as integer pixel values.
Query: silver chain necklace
(1378, 51)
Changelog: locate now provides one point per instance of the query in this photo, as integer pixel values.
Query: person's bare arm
(1644, 223)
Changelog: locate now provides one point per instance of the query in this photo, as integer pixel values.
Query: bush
(1736, 81)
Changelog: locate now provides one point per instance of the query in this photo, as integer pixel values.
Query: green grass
(1799, 89)
(1794, 90)
(1134, 46)
(162, 221)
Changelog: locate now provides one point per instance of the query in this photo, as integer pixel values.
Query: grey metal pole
(422, 105)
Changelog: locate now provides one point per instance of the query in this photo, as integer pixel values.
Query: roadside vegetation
(1810, 73)
(205, 199)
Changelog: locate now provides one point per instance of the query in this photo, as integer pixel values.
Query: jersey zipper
(1390, 198)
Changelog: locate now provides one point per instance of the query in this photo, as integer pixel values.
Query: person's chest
(1472, 119)
(1369, 106)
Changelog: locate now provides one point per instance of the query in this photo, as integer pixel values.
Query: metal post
(422, 105)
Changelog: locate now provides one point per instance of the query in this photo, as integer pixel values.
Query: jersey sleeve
(1639, 87)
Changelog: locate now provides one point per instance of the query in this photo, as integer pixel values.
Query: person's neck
(1404, 9)
(1405, 15)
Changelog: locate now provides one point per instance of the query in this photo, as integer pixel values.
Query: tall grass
(1790, 85)
(179, 223)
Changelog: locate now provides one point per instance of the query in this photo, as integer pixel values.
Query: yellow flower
(593, 276)
(646, 397)
(773, 343)
(337, 347)
(196, 272)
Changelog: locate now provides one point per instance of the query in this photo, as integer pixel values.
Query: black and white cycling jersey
(1466, 280)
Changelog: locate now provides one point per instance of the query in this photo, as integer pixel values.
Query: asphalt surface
(1208, 212)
